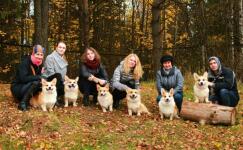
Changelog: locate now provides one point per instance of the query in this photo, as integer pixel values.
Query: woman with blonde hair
(126, 75)
(92, 72)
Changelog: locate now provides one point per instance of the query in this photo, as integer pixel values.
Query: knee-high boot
(24, 103)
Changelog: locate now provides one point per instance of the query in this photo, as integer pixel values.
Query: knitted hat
(166, 58)
(38, 48)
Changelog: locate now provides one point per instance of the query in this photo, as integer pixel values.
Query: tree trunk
(37, 34)
(156, 34)
(208, 113)
(44, 21)
(84, 17)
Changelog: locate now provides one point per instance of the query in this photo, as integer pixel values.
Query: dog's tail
(144, 109)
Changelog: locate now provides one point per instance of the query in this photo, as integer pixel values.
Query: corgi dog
(47, 98)
(200, 88)
(71, 91)
(134, 103)
(104, 97)
(167, 106)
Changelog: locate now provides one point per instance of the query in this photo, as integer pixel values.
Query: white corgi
(104, 98)
(47, 98)
(71, 91)
(167, 106)
(200, 88)
(134, 103)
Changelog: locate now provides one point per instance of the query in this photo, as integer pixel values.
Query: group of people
(126, 75)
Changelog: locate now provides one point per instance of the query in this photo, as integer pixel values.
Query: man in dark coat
(224, 90)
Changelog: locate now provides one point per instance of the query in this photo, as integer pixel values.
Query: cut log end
(209, 113)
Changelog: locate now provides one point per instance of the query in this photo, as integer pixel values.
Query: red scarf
(35, 61)
(92, 64)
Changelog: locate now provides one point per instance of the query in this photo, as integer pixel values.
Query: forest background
(190, 30)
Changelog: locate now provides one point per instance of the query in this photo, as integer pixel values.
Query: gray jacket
(120, 78)
(55, 64)
(173, 79)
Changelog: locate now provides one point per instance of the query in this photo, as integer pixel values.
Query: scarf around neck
(92, 64)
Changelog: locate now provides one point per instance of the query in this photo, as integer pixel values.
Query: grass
(88, 128)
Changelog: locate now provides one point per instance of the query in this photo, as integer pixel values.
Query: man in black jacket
(224, 90)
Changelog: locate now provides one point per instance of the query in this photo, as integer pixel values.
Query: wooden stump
(208, 113)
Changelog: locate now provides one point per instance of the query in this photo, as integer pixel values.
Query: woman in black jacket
(91, 73)
(28, 77)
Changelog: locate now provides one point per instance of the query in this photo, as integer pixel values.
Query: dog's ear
(54, 81)
(77, 78)
(195, 75)
(162, 91)
(66, 78)
(98, 86)
(43, 81)
(205, 75)
(107, 85)
(127, 90)
(172, 91)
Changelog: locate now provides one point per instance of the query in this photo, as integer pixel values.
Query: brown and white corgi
(47, 98)
(134, 103)
(167, 106)
(71, 91)
(104, 98)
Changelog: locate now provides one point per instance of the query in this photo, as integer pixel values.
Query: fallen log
(208, 113)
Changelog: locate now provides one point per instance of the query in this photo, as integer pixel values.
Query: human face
(167, 65)
(132, 62)
(213, 65)
(61, 48)
(39, 55)
(90, 55)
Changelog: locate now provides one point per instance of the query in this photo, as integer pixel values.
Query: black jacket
(24, 76)
(85, 72)
(24, 73)
(225, 80)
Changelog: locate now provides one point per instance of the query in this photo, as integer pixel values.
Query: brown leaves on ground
(90, 128)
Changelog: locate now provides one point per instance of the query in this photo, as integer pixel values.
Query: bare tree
(84, 20)
(156, 33)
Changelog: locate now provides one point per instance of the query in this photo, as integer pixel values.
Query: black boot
(95, 99)
(86, 100)
(24, 103)
(116, 104)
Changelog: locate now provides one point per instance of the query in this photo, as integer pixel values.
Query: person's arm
(227, 82)
(116, 80)
(24, 74)
(158, 82)
(103, 76)
(179, 82)
(84, 72)
(49, 66)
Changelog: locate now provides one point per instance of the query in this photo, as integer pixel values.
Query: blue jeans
(225, 97)
(178, 97)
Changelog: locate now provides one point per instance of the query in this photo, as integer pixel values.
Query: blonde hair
(84, 56)
(138, 71)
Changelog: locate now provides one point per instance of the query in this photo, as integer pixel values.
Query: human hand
(90, 78)
(102, 82)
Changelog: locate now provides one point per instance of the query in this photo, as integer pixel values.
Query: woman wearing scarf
(224, 91)
(92, 72)
(169, 76)
(28, 77)
(56, 67)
